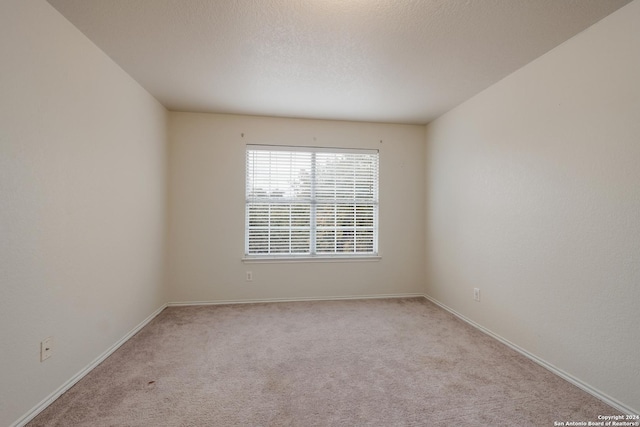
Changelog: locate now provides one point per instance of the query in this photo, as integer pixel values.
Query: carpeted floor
(394, 362)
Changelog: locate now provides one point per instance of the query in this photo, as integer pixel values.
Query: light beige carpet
(395, 362)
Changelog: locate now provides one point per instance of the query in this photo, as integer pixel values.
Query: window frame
(313, 201)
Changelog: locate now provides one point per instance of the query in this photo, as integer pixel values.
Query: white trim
(77, 377)
(548, 366)
(263, 300)
(291, 259)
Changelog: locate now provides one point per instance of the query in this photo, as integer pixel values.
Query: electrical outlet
(46, 348)
(249, 276)
(476, 294)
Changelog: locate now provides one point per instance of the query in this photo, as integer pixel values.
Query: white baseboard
(77, 377)
(263, 300)
(553, 369)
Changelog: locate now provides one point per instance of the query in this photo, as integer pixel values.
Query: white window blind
(304, 201)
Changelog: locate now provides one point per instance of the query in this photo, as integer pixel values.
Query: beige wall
(206, 242)
(82, 196)
(533, 191)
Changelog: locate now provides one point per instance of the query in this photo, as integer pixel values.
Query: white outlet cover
(46, 348)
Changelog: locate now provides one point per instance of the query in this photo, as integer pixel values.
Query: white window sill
(271, 259)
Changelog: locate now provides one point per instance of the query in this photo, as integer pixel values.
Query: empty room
(319, 212)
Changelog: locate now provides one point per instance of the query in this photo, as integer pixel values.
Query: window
(311, 202)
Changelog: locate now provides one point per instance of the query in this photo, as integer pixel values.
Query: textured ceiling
(403, 61)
